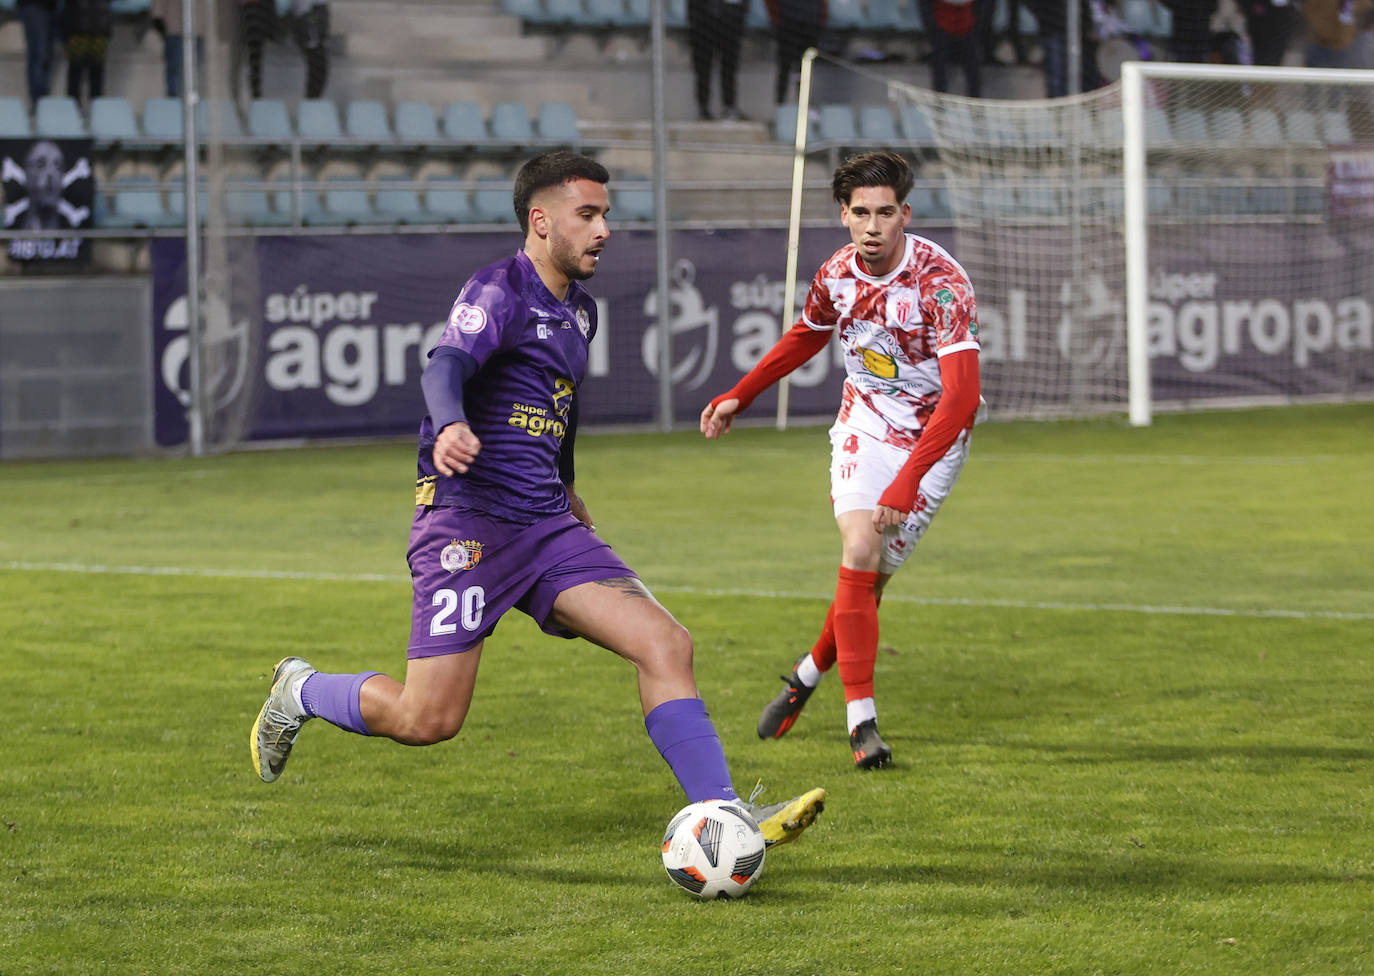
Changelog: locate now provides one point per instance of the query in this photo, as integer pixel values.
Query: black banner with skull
(49, 186)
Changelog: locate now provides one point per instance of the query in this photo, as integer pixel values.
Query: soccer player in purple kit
(498, 524)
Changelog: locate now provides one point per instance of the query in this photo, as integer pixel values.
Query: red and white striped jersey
(893, 330)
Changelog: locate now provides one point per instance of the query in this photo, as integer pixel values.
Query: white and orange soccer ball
(713, 849)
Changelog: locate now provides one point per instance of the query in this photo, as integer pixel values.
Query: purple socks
(685, 737)
(334, 698)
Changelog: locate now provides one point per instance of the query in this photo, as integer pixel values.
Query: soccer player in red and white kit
(904, 312)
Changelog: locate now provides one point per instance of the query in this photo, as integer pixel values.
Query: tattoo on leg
(628, 585)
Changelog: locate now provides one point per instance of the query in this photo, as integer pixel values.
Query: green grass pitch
(1128, 678)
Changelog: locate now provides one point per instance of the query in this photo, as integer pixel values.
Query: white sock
(859, 710)
(808, 673)
(296, 687)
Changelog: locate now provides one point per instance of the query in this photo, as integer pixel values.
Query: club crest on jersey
(468, 319)
(584, 322)
(460, 554)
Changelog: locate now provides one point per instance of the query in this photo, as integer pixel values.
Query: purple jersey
(531, 355)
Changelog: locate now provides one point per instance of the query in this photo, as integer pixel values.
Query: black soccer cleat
(870, 751)
(779, 714)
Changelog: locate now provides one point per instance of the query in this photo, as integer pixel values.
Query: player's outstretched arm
(455, 448)
(579, 508)
(719, 416)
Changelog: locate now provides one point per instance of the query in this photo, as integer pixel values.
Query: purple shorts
(468, 569)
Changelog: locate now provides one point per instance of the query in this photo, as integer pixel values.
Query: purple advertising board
(327, 334)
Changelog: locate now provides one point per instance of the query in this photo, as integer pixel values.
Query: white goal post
(1136, 98)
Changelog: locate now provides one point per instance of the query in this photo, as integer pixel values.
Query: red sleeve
(953, 414)
(796, 346)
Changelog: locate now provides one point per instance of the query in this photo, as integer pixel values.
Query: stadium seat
(366, 120)
(1159, 199)
(14, 118)
(1190, 127)
(58, 117)
(1042, 198)
(269, 122)
(556, 122)
(447, 202)
(510, 123)
(785, 124)
(137, 202)
(568, 13)
(929, 203)
(343, 205)
(113, 121)
(883, 15)
(302, 206)
(176, 202)
(416, 124)
(398, 203)
(129, 8)
(1157, 129)
(317, 121)
(676, 14)
(1336, 128)
(638, 13)
(846, 15)
(1270, 198)
(531, 11)
(250, 206)
(877, 125)
(916, 127)
(756, 19)
(837, 125)
(633, 202)
(491, 201)
(462, 122)
(220, 115)
(1301, 126)
(606, 13)
(162, 121)
(1264, 128)
(1227, 127)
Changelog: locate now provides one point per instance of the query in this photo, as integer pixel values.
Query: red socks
(854, 620)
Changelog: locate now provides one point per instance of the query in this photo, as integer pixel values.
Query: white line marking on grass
(188, 571)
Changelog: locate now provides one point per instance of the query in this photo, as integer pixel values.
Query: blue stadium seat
(638, 13)
(447, 202)
(317, 121)
(877, 125)
(416, 124)
(633, 202)
(137, 202)
(269, 122)
(510, 123)
(606, 13)
(176, 202)
(569, 13)
(58, 117)
(398, 202)
(113, 121)
(1264, 128)
(1301, 126)
(884, 15)
(916, 126)
(218, 117)
(285, 200)
(929, 203)
(1336, 128)
(556, 122)
(531, 11)
(462, 122)
(14, 118)
(756, 19)
(249, 206)
(676, 14)
(1157, 129)
(343, 205)
(846, 15)
(491, 201)
(162, 121)
(785, 125)
(1042, 198)
(366, 119)
(1226, 127)
(837, 125)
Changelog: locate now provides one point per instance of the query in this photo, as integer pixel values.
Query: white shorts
(862, 468)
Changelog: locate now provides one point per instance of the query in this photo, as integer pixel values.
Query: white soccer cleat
(280, 721)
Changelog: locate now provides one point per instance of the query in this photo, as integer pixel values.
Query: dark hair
(881, 168)
(552, 169)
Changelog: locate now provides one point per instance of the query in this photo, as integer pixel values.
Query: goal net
(1257, 198)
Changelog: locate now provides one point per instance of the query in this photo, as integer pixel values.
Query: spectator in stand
(953, 27)
(257, 22)
(166, 15)
(1340, 32)
(715, 30)
(311, 29)
(86, 27)
(1050, 15)
(1190, 38)
(41, 27)
(1271, 25)
(798, 24)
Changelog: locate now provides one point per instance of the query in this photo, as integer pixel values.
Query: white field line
(271, 574)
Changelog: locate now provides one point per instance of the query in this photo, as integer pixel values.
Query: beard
(568, 260)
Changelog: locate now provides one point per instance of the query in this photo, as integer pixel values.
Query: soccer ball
(713, 849)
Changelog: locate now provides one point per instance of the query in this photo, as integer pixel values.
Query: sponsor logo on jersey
(944, 297)
(543, 330)
(468, 319)
(460, 554)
